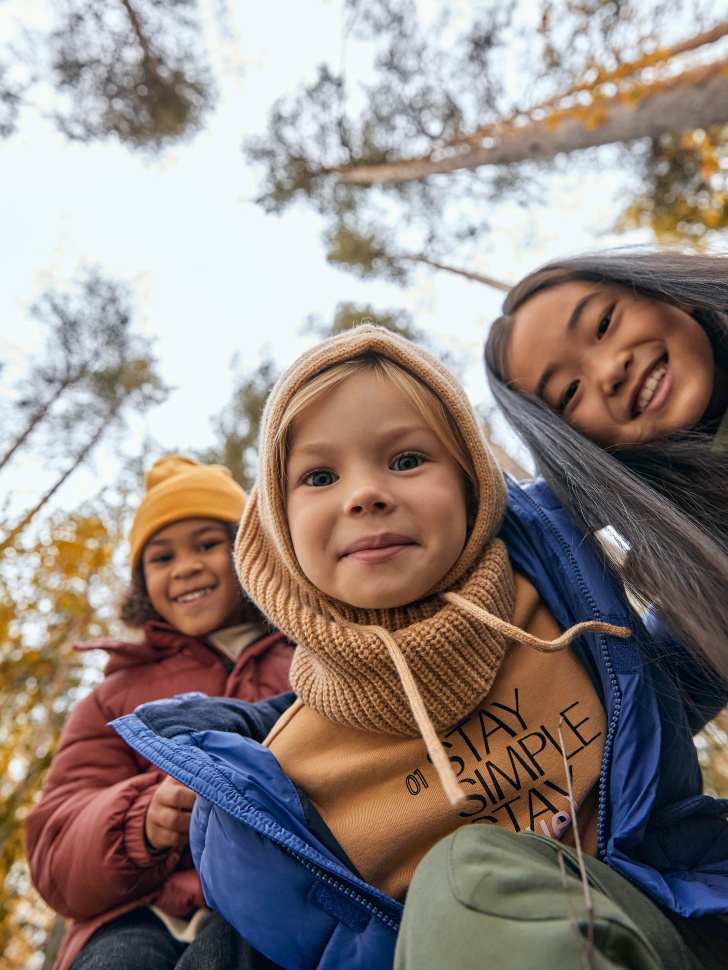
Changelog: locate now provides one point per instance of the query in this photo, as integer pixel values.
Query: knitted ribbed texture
(416, 669)
(342, 669)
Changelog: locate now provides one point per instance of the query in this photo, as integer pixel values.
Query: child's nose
(615, 371)
(186, 565)
(368, 497)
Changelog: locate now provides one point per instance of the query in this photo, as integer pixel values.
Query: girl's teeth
(190, 597)
(650, 386)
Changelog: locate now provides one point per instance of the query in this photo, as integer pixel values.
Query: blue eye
(319, 478)
(604, 322)
(407, 462)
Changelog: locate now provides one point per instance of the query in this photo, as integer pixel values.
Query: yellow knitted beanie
(181, 488)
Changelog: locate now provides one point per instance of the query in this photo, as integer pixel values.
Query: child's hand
(167, 821)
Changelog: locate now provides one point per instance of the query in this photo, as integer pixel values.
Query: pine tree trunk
(476, 277)
(617, 76)
(79, 458)
(697, 98)
(150, 61)
(36, 419)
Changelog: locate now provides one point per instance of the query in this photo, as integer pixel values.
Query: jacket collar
(159, 638)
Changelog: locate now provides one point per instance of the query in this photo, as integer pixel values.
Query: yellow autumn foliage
(56, 586)
(685, 193)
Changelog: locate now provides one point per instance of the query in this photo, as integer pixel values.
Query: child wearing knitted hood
(439, 684)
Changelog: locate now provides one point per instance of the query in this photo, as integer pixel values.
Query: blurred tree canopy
(91, 356)
(712, 745)
(457, 113)
(685, 186)
(58, 577)
(236, 426)
(93, 370)
(130, 69)
(369, 256)
(134, 70)
(10, 100)
(56, 586)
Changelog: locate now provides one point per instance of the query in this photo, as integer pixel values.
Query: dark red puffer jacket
(85, 838)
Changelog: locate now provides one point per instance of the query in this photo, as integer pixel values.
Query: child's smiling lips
(193, 595)
(378, 547)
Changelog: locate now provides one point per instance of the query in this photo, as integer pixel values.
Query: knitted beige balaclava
(416, 669)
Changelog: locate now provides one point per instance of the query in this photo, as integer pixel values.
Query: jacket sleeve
(85, 838)
(192, 712)
(688, 681)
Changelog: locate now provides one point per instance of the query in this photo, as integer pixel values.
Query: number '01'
(416, 782)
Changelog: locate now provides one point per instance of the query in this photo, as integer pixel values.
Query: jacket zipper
(341, 887)
(611, 732)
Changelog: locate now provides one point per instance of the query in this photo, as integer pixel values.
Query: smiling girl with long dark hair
(612, 368)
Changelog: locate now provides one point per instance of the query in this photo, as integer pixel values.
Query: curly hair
(135, 608)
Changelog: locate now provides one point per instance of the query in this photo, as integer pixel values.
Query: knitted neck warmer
(343, 666)
(418, 668)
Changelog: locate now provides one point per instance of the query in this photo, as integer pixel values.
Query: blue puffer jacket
(284, 888)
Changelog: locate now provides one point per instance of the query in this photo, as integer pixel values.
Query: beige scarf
(415, 669)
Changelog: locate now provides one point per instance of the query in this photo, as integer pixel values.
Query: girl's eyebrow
(571, 325)
(195, 532)
(314, 448)
(578, 310)
(322, 447)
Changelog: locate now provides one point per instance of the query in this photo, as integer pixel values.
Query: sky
(215, 278)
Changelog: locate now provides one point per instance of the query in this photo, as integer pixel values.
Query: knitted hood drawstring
(521, 636)
(440, 760)
(419, 712)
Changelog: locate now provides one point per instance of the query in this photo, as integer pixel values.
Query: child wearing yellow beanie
(108, 842)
